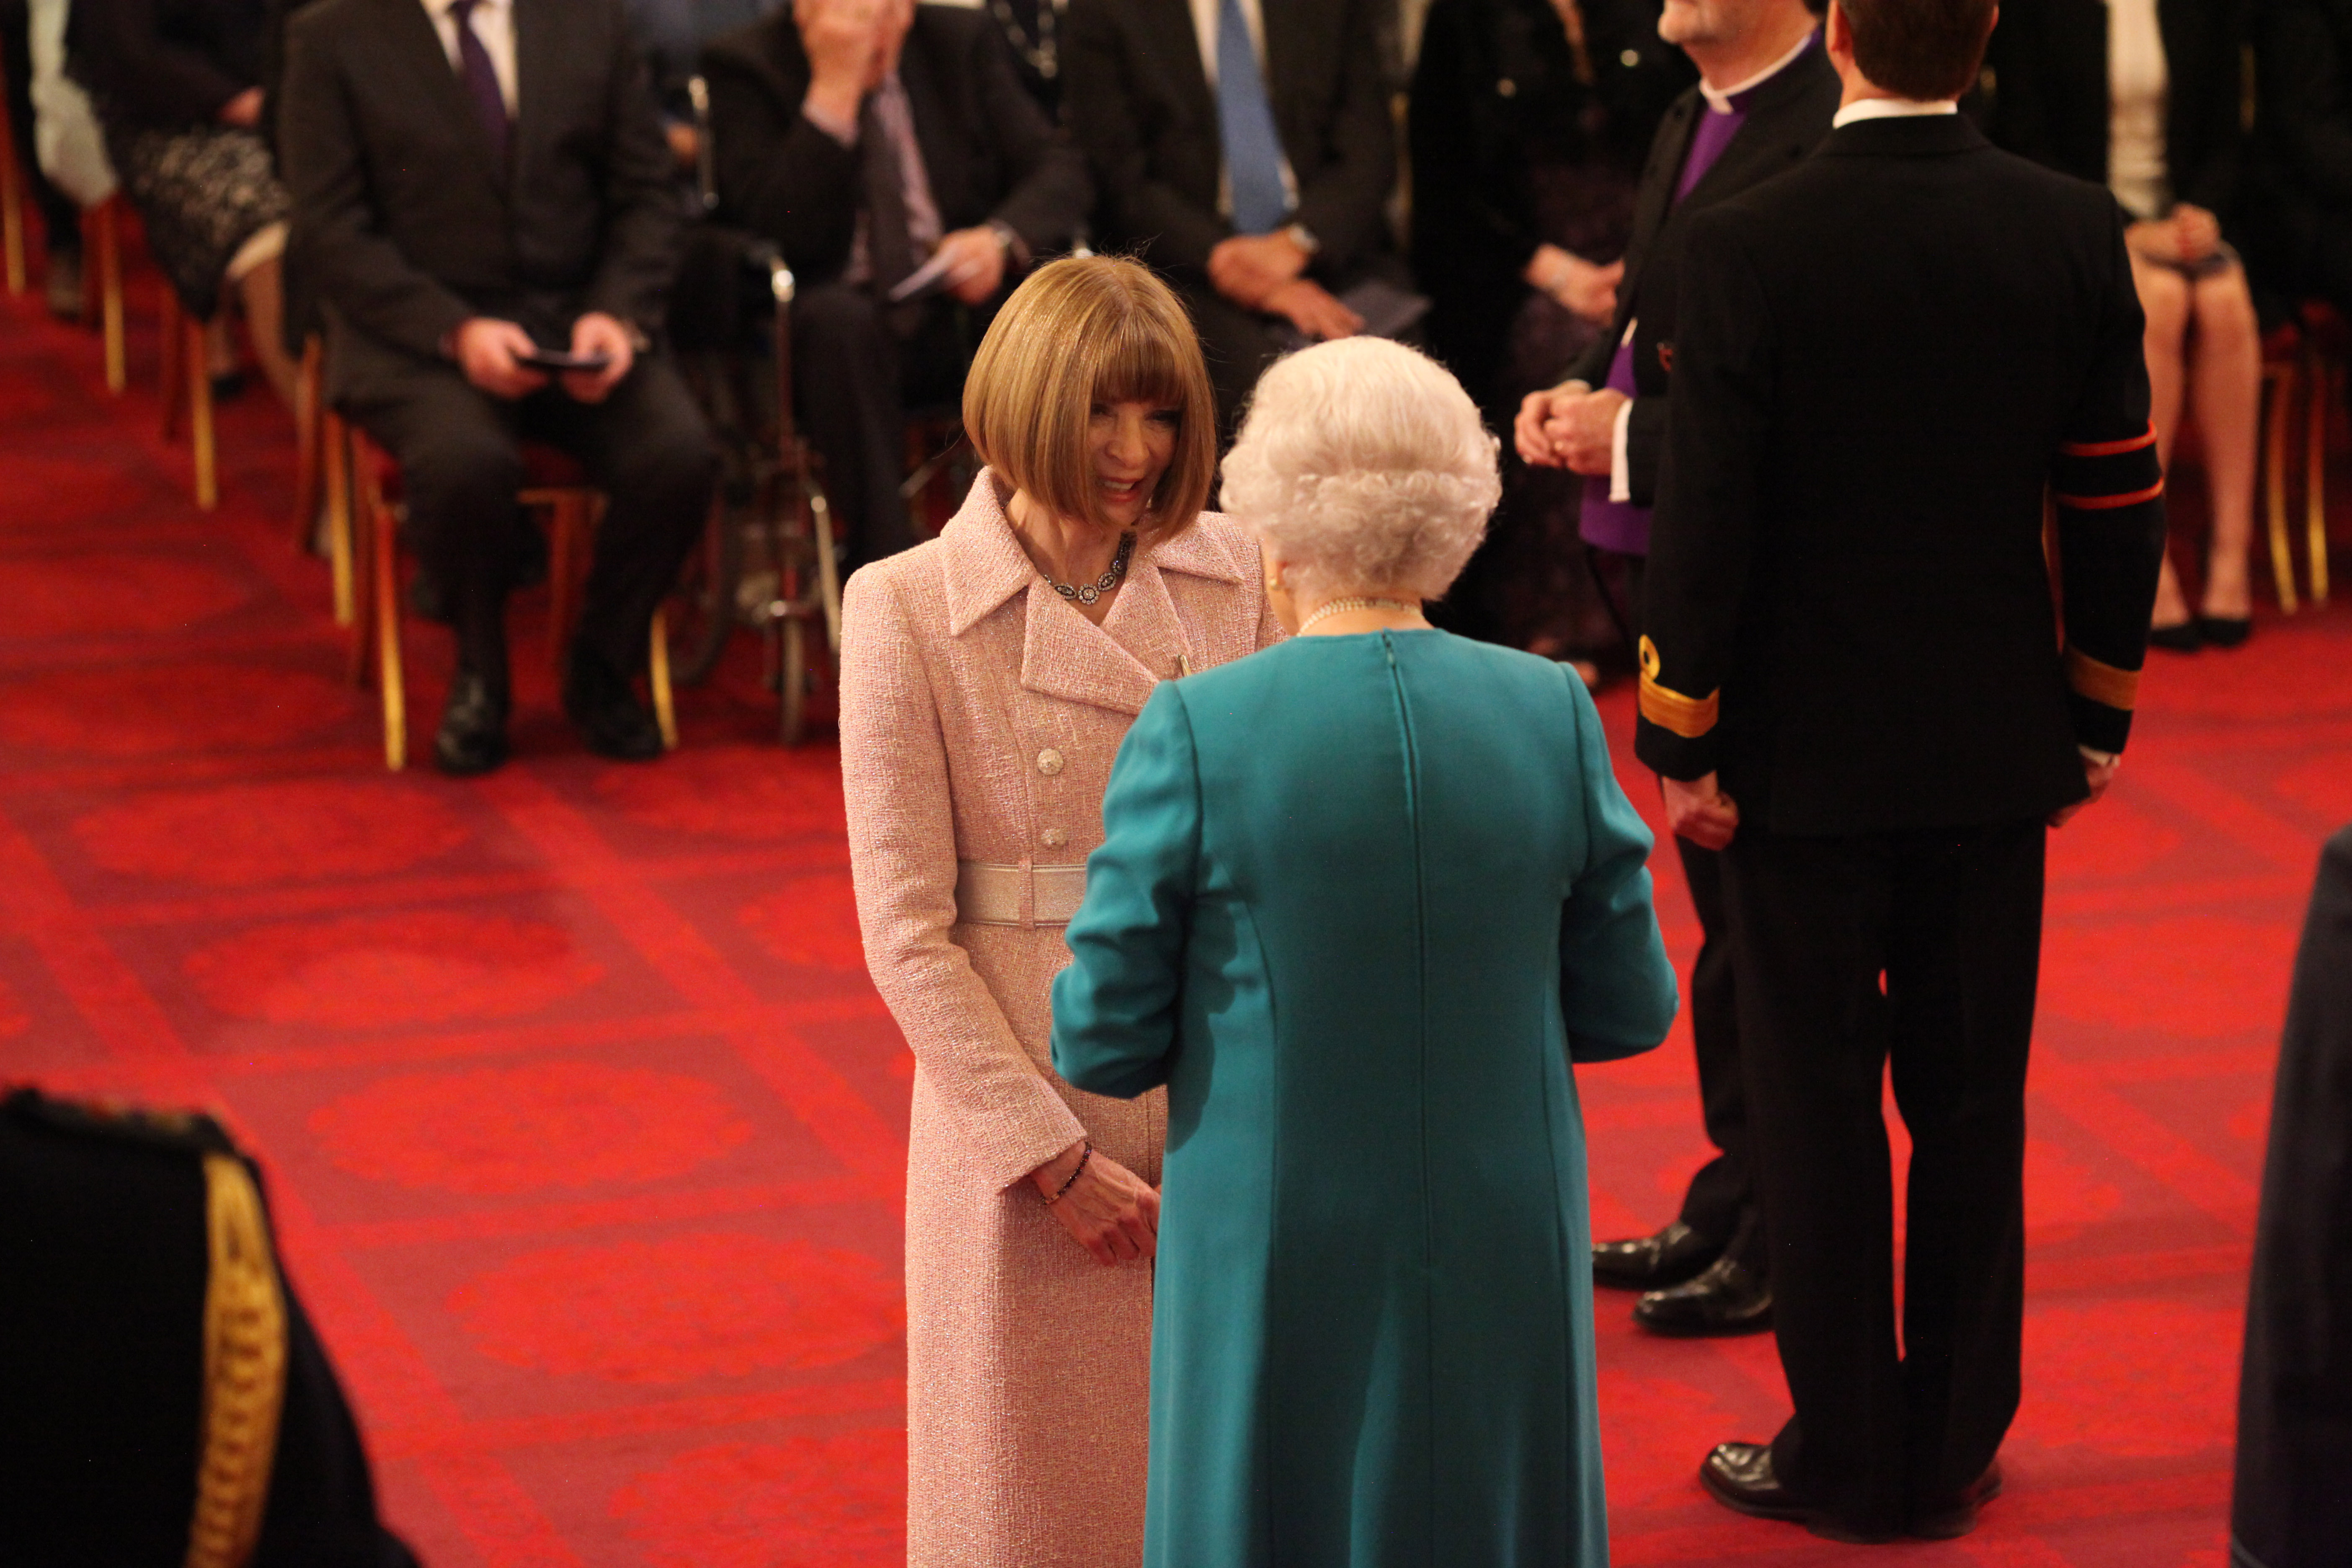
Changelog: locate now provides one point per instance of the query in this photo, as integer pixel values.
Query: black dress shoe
(1650, 1262)
(1729, 1298)
(1948, 1518)
(610, 718)
(2182, 639)
(2225, 631)
(1739, 1476)
(473, 735)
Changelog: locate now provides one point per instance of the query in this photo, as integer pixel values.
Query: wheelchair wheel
(701, 609)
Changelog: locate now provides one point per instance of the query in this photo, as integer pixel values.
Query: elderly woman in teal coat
(1361, 900)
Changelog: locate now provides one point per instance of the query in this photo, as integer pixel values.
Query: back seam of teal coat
(1421, 1072)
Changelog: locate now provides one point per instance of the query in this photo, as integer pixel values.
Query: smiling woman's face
(1130, 446)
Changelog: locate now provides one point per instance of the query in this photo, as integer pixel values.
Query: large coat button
(1054, 837)
(1049, 762)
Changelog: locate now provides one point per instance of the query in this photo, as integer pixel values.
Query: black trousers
(1720, 1203)
(1950, 922)
(1239, 343)
(856, 379)
(460, 455)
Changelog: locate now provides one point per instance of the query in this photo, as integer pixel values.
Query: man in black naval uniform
(1766, 95)
(163, 1402)
(1856, 683)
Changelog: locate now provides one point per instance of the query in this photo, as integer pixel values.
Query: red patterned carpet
(586, 1130)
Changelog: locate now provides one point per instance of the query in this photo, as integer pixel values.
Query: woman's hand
(2156, 240)
(1109, 1210)
(244, 111)
(1580, 288)
(2197, 233)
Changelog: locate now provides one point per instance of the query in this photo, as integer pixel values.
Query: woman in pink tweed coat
(988, 678)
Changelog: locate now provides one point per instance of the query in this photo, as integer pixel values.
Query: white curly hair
(1364, 468)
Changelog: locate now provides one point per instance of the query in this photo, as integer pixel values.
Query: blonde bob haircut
(1084, 330)
(1364, 468)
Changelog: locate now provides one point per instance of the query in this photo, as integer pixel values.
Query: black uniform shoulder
(186, 1132)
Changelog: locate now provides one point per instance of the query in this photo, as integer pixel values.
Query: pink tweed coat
(979, 713)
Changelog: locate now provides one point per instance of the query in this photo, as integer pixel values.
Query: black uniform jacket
(1787, 120)
(2048, 65)
(1849, 611)
(989, 150)
(146, 1336)
(412, 226)
(1141, 108)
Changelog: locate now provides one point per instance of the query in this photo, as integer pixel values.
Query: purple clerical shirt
(1620, 525)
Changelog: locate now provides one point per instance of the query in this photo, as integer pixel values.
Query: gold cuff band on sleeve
(1689, 717)
(2102, 682)
(2138, 443)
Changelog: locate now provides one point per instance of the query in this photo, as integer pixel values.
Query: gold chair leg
(2321, 390)
(107, 224)
(2274, 459)
(12, 212)
(308, 461)
(335, 476)
(175, 341)
(200, 417)
(390, 678)
(657, 678)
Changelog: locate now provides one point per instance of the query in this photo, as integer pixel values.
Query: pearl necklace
(1087, 593)
(1339, 607)
(1042, 55)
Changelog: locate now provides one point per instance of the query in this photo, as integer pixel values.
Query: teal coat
(1359, 902)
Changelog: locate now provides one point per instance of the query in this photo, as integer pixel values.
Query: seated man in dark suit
(1245, 151)
(870, 140)
(166, 1400)
(453, 241)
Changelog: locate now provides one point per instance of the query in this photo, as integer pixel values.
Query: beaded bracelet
(1072, 1179)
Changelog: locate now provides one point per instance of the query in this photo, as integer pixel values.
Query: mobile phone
(556, 360)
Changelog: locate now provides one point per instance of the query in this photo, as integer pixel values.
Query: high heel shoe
(2225, 631)
(2185, 638)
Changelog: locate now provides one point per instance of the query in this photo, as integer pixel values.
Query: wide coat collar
(1063, 654)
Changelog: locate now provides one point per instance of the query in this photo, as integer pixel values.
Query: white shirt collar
(1721, 101)
(1892, 108)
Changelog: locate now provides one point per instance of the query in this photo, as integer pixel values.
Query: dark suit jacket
(1787, 121)
(165, 63)
(988, 148)
(1873, 389)
(2291, 1509)
(2048, 65)
(1141, 108)
(410, 224)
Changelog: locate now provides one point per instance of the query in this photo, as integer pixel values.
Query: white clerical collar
(1721, 101)
(1892, 108)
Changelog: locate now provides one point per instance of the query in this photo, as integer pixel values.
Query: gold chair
(102, 229)
(12, 202)
(186, 375)
(371, 527)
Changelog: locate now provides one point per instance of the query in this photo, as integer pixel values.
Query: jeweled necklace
(1339, 607)
(1087, 593)
(1044, 57)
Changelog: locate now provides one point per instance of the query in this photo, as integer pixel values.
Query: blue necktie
(1245, 123)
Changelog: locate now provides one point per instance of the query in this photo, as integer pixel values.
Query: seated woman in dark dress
(2142, 96)
(1531, 122)
(177, 84)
